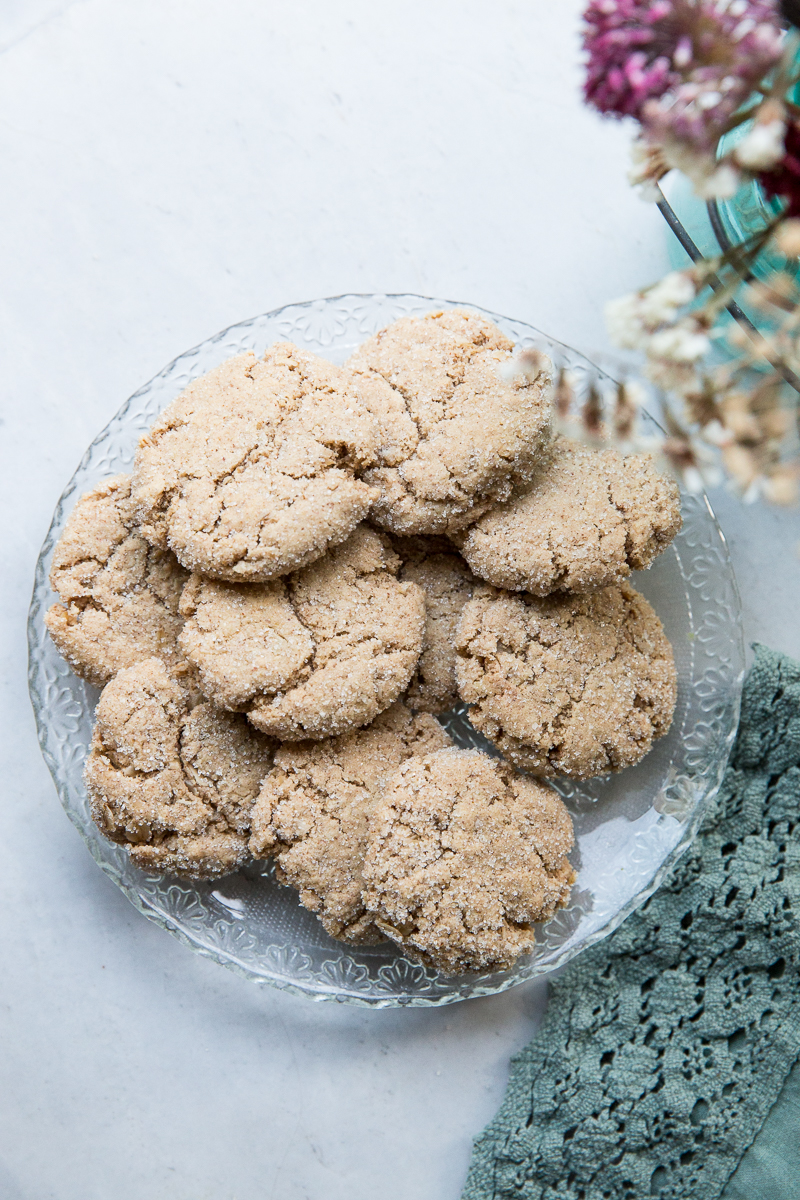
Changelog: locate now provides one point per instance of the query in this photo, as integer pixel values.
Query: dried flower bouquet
(688, 72)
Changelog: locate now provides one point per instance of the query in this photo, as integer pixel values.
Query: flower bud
(787, 238)
(781, 486)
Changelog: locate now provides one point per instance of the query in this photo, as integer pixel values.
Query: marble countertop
(170, 167)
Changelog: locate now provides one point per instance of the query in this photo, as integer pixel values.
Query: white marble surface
(169, 167)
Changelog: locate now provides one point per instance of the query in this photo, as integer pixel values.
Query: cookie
(447, 583)
(463, 856)
(119, 594)
(250, 473)
(567, 685)
(243, 639)
(313, 654)
(453, 435)
(174, 786)
(588, 519)
(314, 807)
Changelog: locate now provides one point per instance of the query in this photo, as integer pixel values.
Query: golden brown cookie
(316, 653)
(175, 787)
(453, 435)
(464, 855)
(314, 807)
(588, 518)
(250, 473)
(119, 594)
(567, 685)
(447, 583)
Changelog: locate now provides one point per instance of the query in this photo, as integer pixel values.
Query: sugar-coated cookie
(587, 519)
(464, 855)
(119, 594)
(453, 435)
(316, 653)
(314, 807)
(251, 472)
(567, 685)
(174, 786)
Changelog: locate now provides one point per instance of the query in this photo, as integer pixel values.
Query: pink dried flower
(682, 68)
(698, 109)
(643, 50)
(627, 64)
(733, 47)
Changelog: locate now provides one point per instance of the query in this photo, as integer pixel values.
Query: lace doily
(665, 1046)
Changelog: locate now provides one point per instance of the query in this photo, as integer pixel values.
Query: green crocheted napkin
(665, 1047)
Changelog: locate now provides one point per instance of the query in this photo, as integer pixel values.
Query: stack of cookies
(307, 566)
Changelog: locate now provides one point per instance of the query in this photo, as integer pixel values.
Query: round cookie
(567, 685)
(453, 435)
(174, 786)
(589, 518)
(314, 807)
(447, 583)
(119, 595)
(250, 473)
(464, 855)
(316, 653)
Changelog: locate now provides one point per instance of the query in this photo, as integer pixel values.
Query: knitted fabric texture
(665, 1046)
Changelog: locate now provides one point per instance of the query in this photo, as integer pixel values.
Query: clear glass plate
(630, 828)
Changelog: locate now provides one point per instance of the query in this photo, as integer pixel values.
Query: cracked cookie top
(588, 518)
(315, 653)
(453, 435)
(251, 472)
(447, 583)
(174, 786)
(567, 685)
(463, 856)
(119, 594)
(314, 807)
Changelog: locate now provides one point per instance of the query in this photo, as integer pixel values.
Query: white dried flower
(682, 343)
(525, 366)
(693, 481)
(681, 378)
(741, 465)
(781, 487)
(763, 147)
(624, 322)
(711, 178)
(660, 303)
(635, 393)
(743, 425)
(716, 433)
(720, 184)
(633, 319)
(787, 238)
(647, 167)
(706, 464)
